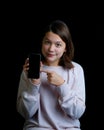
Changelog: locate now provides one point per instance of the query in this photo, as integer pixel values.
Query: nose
(51, 47)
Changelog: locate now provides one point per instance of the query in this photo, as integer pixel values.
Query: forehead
(52, 37)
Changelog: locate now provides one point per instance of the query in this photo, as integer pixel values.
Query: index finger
(45, 71)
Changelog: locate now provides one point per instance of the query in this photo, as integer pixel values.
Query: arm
(28, 97)
(72, 94)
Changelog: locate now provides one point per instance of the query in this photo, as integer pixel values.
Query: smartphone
(34, 65)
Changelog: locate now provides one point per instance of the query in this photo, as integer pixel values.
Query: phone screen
(34, 65)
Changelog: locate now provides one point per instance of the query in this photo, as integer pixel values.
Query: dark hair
(61, 29)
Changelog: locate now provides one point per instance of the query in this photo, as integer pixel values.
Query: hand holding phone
(34, 65)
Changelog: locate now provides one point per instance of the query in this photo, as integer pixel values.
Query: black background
(87, 29)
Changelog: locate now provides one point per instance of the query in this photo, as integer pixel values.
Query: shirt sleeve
(72, 94)
(28, 97)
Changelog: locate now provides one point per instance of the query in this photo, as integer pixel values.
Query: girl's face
(53, 48)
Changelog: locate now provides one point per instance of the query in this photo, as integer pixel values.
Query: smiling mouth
(50, 55)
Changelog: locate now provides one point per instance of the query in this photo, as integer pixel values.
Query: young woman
(56, 100)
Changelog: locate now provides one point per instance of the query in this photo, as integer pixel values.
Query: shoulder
(77, 66)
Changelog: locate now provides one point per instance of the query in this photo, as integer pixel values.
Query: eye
(58, 44)
(46, 42)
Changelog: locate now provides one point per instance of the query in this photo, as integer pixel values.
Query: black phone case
(34, 65)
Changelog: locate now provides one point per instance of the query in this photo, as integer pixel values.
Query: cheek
(44, 49)
(60, 52)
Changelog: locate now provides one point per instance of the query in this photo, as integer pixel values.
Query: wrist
(35, 81)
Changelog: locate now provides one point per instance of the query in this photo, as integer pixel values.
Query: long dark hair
(62, 30)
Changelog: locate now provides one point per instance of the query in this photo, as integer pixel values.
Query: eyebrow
(51, 41)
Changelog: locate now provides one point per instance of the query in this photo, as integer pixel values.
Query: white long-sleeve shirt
(46, 106)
